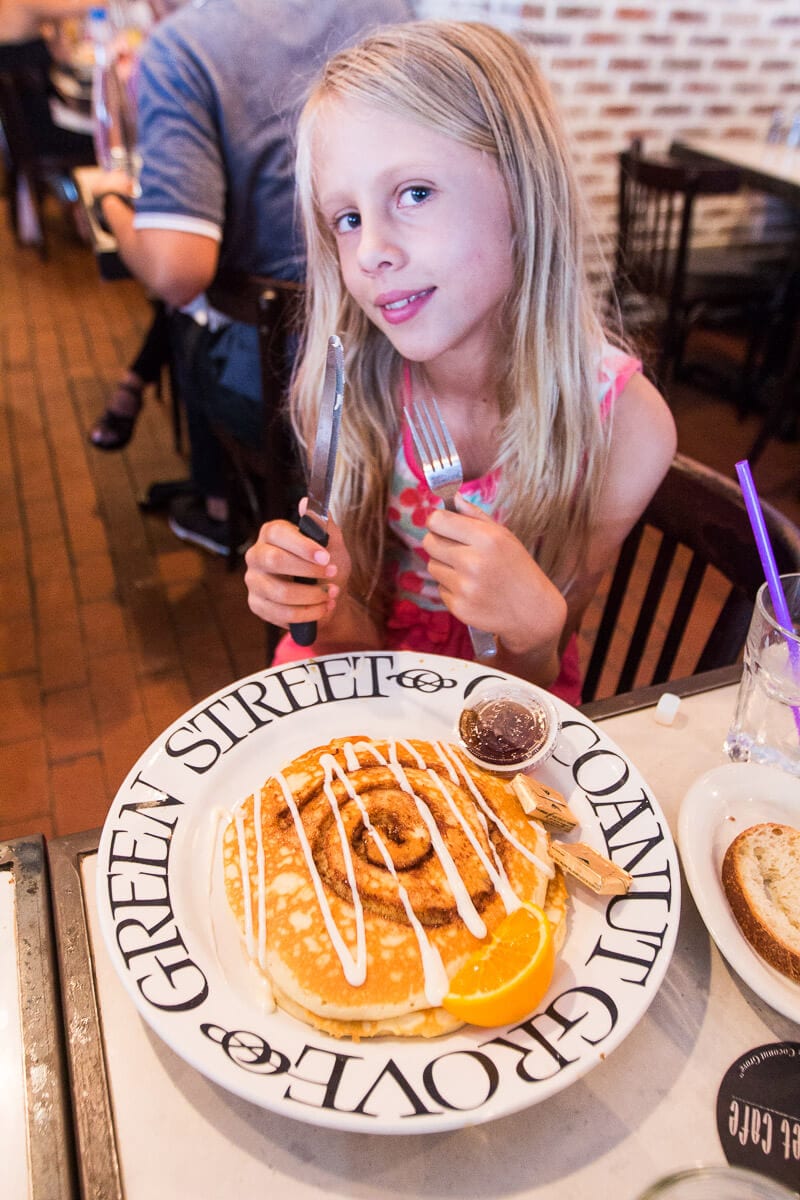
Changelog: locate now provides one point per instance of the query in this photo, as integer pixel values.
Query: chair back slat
(24, 108)
(612, 608)
(680, 618)
(273, 308)
(707, 559)
(649, 606)
(729, 633)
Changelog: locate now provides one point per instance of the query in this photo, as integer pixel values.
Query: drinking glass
(766, 723)
(717, 1183)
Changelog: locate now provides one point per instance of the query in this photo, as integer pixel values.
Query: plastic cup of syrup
(508, 727)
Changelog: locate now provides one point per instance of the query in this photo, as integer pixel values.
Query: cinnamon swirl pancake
(366, 872)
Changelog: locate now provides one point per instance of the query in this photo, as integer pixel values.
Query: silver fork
(441, 467)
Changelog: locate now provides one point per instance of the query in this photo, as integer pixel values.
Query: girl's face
(423, 229)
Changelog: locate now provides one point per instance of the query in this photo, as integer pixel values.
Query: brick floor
(110, 628)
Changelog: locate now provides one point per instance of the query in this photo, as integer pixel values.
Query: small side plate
(718, 806)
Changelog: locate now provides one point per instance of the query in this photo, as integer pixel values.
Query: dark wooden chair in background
(264, 482)
(695, 552)
(663, 281)
(778, 376)
(32, 172)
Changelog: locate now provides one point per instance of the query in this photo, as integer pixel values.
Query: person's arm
(281, 557)
(173, 264)
(49, 10)
(56, 10)
(23, 19)
(172, 243)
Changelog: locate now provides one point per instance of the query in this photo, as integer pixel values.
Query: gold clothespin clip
(543, 803)
(591, 868)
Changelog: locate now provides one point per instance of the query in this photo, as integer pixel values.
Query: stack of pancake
(365, 873)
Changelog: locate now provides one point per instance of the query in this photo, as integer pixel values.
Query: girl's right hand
(280, 556)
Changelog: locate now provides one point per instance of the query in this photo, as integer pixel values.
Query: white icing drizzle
(545, 867)
(219, 815)
(351, 759)
(355, 969)
(466, 909)
(434, 975)
(262, 881)
(267, 997)
(498, 862)
(412, 750)
(245, 877)
(445, 761)
(495, 870)
(325, 761)
(436, 983)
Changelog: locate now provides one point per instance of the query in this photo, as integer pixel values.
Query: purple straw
(767, 556)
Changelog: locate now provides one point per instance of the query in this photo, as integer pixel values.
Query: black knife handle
(305, 632)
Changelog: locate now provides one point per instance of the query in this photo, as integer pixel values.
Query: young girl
(445, 247)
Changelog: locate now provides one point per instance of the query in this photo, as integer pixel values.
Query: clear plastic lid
(508, 727)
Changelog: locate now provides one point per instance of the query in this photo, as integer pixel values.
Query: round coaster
(758, 1112)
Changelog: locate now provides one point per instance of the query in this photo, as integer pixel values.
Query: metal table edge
(95, 1140)
(647, 697)
(783, 189)
(50, 1146)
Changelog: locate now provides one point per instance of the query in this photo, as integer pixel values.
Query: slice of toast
(761, 879)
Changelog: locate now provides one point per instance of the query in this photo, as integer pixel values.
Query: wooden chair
(264, 482)
(31, 172)
(778, 377)
(685, 581)
(661, 279)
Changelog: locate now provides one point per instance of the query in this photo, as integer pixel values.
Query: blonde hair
(478, 85)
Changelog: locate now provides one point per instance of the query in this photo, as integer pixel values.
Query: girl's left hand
(488, 579)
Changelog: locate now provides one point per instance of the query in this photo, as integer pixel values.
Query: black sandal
(113, 430)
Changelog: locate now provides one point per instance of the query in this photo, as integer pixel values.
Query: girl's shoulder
(643, 441)
(641, 447)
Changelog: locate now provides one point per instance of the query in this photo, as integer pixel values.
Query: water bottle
(99, 28)
(113, 109)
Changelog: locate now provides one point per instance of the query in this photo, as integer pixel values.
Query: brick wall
(658, 69)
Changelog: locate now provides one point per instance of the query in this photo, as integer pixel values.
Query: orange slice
(506, 978)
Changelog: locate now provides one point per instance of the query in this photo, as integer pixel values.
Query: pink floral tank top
(412, 500)
(418, 620)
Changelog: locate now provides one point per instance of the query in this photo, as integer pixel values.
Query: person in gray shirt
(221, 83)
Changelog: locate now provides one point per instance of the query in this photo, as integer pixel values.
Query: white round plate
(718, 806)
(177, 949)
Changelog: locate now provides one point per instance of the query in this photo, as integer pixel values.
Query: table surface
(775, 170)
(149, 1125)
(104, 244)
(772, 168)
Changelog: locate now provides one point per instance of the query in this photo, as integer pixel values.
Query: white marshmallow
(666, 708)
